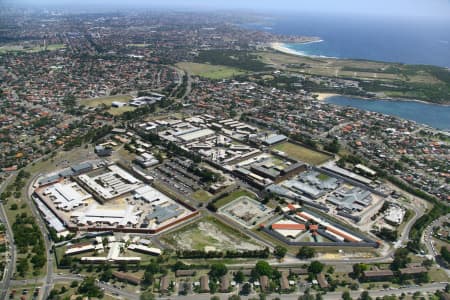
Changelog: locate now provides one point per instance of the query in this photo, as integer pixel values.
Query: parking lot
(176, 176)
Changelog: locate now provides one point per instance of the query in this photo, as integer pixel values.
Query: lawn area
(302, 153)
(138, 45)
(23, 207)
(17, 206)
(116, 111)
(54, 47)
(209, 232)
(69, 291)
(438, 275)
(209, 71)
(201, 195)
(359, 69)
(323, 176)
(94, 102)
(234, 195)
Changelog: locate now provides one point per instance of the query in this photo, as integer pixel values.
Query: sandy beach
(282, 48)
(323, 96)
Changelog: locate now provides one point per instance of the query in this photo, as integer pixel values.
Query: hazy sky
(429, 8)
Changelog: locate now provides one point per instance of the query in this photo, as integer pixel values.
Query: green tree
(239, 277)
(306, 252)
(401, 259)
(346, 296)
(23, 266)
(316, 267)
(246, 289)
(263, 268)
(445, 254)
(146, 296)
(218, 270)
(148, 278)
(280, 251)
(365, 296)
(89, 288)
(358, 269)
(333, 147)
(106, 274)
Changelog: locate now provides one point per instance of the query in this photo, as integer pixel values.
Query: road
(11, 262)
(418, 206)
(10, 267)
(48, 278)
(427, 240)
(428, 288)
(109, 289)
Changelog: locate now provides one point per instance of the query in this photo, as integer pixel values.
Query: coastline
(437, 117)
(378, 98)
(324, 96)
(281, 47)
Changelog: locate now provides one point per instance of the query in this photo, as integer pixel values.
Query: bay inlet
(434, 115)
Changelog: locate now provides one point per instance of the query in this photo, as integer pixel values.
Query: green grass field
(116, 111)
(201, 195)
(108, 100)
(234, 195)
(302, 153)
(361, 69)
(209, 71)
(138, 45)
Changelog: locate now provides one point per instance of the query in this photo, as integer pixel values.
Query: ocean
(411, 41)
(417, 41)
(434, 115)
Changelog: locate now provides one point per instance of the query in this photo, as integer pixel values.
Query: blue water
(412, 41)
(436, 116)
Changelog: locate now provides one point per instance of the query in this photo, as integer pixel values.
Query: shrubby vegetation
(232, 58)
(219, 254)
(92, 136)
(28, 237)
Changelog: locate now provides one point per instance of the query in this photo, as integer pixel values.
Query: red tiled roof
(313, 227)
(289, 226)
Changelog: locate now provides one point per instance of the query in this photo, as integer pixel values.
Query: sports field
(302, 153)
(233, 196)
(209, 71)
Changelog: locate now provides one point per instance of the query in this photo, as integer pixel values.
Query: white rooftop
(66, 196)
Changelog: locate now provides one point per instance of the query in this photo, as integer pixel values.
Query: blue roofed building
(163, 213)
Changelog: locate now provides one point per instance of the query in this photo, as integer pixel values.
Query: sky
(403, 8)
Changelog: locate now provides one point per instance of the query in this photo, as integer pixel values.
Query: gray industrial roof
(48, 179)
(81, 167)
(273, 139)
(165, 213)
